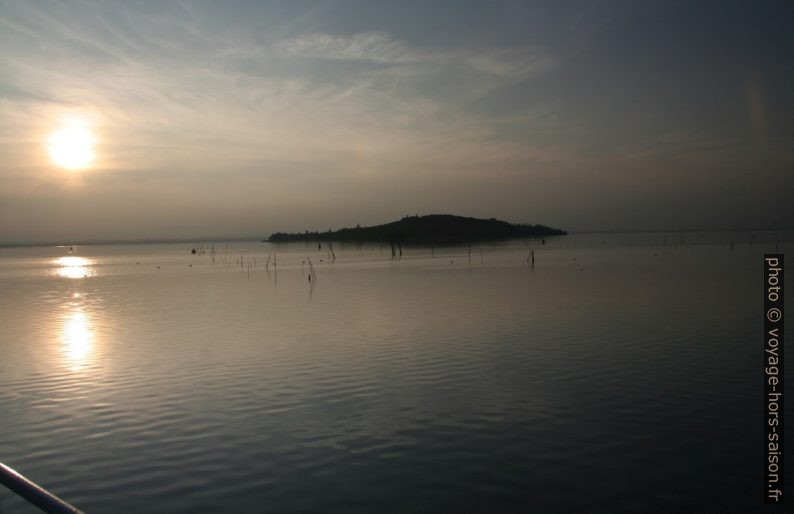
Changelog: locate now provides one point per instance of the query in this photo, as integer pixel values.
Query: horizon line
(259, 239)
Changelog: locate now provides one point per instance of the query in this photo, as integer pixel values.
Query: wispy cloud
(366, 46)
(168, 95)
(381, 48)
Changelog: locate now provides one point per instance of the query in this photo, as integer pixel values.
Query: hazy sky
(246, 117)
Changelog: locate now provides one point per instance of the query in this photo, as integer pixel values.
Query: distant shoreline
(107, 242)
(429, 229)
(258, 239)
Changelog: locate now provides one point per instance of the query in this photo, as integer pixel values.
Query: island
(429, 229)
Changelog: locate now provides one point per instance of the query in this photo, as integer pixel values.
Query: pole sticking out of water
(312, 274)
(531, 260)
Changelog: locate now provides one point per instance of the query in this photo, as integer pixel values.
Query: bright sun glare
(71, 146)
(78, 338)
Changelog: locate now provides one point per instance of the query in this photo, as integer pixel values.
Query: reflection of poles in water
(531, 259)
(312, 273)
(312, 277)
(274, 278)
(395, 249)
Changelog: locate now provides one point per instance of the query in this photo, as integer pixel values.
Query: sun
(71, 146)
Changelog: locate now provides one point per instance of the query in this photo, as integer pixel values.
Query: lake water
(621, 373)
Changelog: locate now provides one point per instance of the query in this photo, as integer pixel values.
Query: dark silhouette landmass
(433, 228)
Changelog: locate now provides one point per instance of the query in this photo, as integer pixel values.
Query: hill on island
(433, 228)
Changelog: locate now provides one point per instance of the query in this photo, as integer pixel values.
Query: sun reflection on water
(78, 338)
(73, 267)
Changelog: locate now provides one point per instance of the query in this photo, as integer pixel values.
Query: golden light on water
(73, 267)
(72, 145)
(78, 338)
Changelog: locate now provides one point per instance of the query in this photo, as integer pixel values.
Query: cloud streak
(381, 48)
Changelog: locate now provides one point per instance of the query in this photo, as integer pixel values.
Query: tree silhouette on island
(432, 228)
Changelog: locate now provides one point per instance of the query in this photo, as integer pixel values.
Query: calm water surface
(621, 373)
